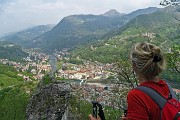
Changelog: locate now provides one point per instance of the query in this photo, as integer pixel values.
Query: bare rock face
(49, 102)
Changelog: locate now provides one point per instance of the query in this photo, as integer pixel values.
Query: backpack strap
(154, 95)
(172, 93)
(177, 116)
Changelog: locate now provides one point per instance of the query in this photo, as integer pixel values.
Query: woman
(147, 62)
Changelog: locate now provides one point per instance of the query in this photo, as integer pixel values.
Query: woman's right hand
(92, 118)
(124, 118)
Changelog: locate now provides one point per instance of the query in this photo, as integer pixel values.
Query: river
(53, 63)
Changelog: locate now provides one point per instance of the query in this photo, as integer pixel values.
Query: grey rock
(49, 102)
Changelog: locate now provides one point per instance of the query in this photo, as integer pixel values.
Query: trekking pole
(98, 107)
(94, 108)
(101, 112)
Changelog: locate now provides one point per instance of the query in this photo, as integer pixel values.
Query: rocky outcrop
(49, 102)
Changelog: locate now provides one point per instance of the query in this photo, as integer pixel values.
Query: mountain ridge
(79, 29)
(74, 30)
(21, 37)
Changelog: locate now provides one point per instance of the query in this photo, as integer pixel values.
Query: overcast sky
(16, 15)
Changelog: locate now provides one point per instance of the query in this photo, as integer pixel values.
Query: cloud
(2, 2)
(18, 14)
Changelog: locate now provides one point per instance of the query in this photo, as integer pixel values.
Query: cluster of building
(86, 71)
(37, 66)
(99, 92)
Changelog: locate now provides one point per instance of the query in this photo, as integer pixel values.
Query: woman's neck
(143, 78)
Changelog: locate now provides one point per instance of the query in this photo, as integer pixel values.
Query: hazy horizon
(16, 15)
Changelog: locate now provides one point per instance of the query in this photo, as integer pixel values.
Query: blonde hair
(148, 59)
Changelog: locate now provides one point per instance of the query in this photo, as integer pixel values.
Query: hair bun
(156, 58)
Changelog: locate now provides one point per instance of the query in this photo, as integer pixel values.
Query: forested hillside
(14, 95)
(24, 37)
(160, 28)
(11, 52)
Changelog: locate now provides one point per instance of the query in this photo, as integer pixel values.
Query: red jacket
(141, 106)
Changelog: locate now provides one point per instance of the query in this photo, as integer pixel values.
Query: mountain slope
(80, 29)
(161, 28)
(24, 36)
(11, 52)
(74, 30)
(14, 94)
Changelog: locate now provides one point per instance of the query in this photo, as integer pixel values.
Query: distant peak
(113, 13)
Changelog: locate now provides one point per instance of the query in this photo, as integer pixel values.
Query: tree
(124, 73)
(169, 2)
(173, 66)
(173, 58)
